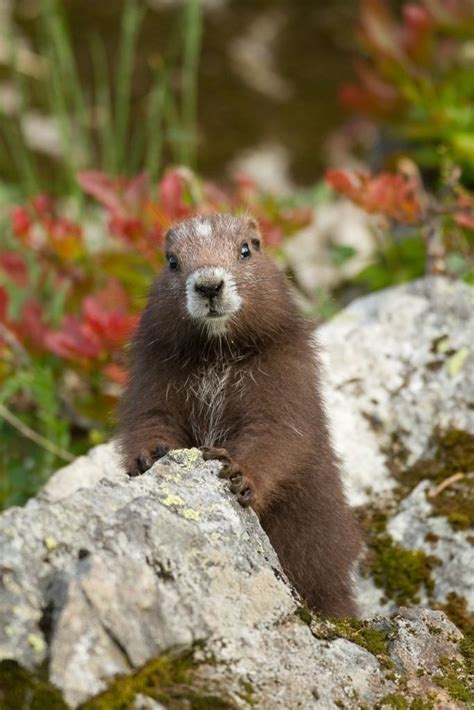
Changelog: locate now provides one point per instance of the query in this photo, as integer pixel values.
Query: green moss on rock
(456, 609)
(466, 646)
(456, 502)
(22, 690)
(401, 573)
(422, 704)
(304, 614)
(400, 702)
(247, 693)
(356, 630)
(454, 679)
(362, 634)
(395, 700)
(171, 681)
(452, 452)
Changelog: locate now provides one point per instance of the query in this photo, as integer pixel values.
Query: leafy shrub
(416, 77)
(420, 232)
(415, 81)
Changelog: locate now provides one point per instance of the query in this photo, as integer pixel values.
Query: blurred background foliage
(347, 129)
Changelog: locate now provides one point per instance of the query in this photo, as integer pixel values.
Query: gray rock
(310, 252)
(387, 375)
(400, 368)
(124, 571)
(452, 548)
(101, 574)
(85, 472)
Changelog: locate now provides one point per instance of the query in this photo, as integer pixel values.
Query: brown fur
(272, 421)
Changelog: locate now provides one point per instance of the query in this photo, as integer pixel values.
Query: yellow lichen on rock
(172, 499)
(190, 514)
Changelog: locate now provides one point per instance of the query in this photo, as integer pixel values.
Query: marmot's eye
(244, 251)
(172, 262)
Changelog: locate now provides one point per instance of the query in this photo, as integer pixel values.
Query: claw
(146, 460)
(159, 452)
(133, 471)
(236, 482)
(210, 453)
(230, 470)
(246, 497)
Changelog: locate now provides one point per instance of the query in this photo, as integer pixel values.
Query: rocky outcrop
(400, 395)
(161, 592)
(99, 582)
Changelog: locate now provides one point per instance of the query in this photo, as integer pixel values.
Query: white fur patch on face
(224, 305)
(203, 229)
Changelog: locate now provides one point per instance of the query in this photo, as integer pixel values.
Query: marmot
(222, 360)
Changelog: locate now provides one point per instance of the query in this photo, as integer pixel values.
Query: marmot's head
(216, 262)
(218, 284)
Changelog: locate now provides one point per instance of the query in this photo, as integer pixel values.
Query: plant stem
(105, 126)
(191, 51)
(29, 433)
(12, 341)
(155, 124)
(131, 20)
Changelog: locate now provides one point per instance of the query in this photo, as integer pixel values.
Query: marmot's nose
(209, 289)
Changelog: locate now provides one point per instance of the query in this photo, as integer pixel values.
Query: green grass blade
(106, 131)
(155, 124)
(57, 107)
(22, 155)
(131, 20)
(66, 67)
(191, 53)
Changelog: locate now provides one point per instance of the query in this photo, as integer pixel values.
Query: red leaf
(372, 95)
(104, 189)
(416, 32)
(341, 181)
(43, 205)
(31, 326)
(104, 327)
(64, 238)
(15, 268)
(397, 196)
(116, 373)
(129, 228)
(465, 219)
(21, 221)
(73, 341)
(137, 192)
(172, 192)
(3, 305)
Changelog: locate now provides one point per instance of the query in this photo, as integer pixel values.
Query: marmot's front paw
(238, 482)
(145, 460)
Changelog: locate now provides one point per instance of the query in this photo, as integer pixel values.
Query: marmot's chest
(212, 394)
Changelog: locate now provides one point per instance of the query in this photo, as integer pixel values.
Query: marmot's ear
(256, 240)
